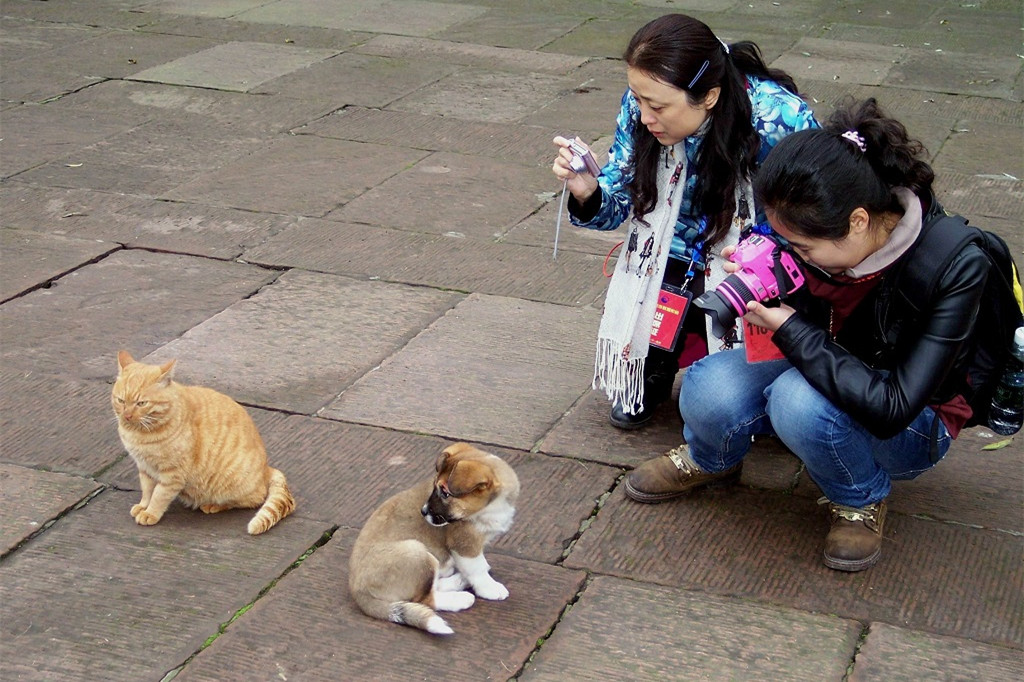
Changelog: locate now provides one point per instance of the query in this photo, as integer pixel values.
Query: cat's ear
(167, 373)
(124, 358)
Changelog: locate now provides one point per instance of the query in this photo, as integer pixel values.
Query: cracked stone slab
(960, 73)
(932, 576)
(32, 258)
(308, 627)
(30, 498)
(620, 630)
(299, 175)
(339, 473)
(82, 441)
(902, 655)
(301, 341)
(132, 299)
(984, 149)
(484, 355)
(400, 256)
(99, 597)
(240, 67)
(814, 59)
(488, 197)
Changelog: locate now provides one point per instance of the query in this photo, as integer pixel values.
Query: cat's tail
(279, 504)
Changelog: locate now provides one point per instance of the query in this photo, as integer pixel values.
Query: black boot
(659, 375)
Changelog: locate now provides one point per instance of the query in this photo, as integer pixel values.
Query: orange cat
(196, 444)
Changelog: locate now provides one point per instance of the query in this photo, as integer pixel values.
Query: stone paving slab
(308, 627)
(400, 256)
(538, 229)
(99, 597)
(299, 175)
(899, 655)
(529, 145)
(961, 73)
(30, 498)
(620, 630)
(984, 149)
(465, 54)
(240, 67)
(161, 155)
(162, 19)
(475, 366)
(814, 59)
(252, 350)
(935, 577)
(413, 18)
(132, 300)
(31, 258)
(57, 423)
(340, 473)
(527, 26)
(487, 197)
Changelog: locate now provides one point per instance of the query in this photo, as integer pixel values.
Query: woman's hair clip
(725, 45)
(856, 138)
(700, 72)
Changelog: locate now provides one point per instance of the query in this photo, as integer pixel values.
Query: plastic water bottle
(1007, 412)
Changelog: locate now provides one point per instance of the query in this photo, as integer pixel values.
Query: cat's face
(142, 396)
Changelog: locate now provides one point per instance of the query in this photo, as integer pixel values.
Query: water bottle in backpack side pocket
(1007, 412)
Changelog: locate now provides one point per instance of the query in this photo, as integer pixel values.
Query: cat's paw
(213, 508)
(144, 518)
(489, 588)
(453, 601)
(136, 508)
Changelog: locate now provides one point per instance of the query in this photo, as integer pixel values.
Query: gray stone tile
(813, 59)
(984, 149)
(488, 197)
(82, 441)
(31, 498)
(414, 17)
(237, 31)
(538, 229)
(357, 79)
(960, 73)
(32, 258)
(621, 630)
(300, 175)
(222, 9)
(979, 197)
(234, 66)
(486, 354)
(298, 343)
(491, 96)
(466, 54)
(99, 597)
(400, 256)
(514, 26)
(131, 299)
(308, 627)
(901, 655)
(936, 577)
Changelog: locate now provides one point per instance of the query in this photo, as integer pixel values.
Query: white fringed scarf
(624, 336)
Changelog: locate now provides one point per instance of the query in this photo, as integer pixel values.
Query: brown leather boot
(855, 539)
(672, 475)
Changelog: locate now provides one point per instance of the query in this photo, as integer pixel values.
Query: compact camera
(767, 271)
(582, 160)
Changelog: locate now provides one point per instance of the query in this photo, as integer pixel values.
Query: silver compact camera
(582, 160)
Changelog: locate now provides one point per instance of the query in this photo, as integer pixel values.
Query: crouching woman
(851, 200)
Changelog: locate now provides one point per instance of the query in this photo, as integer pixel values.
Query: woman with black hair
(862, 395)
(697, 119)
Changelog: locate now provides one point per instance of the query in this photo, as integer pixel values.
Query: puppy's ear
(468, 476)
(442, 459)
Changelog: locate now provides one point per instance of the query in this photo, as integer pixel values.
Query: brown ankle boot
(855, 539)
(672, 475)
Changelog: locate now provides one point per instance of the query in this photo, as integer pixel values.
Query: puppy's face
(464, 485)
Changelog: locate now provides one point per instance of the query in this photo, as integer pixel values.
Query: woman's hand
(767, 318)
(582, 185)
(727, 264)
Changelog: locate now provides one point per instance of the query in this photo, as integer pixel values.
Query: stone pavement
(341, 213)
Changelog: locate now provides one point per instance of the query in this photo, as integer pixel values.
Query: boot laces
(867, 514)
(680, 456)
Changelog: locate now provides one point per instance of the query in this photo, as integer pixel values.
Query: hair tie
(700, 72)
(856, 138)
(725, 46)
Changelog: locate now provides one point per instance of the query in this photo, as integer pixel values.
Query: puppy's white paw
(437, 626)
(453, 601)
(487, 587)
(451, 583)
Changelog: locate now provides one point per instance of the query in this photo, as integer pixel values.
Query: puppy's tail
(418, 616)
(279, 504)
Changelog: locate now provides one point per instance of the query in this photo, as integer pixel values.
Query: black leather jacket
(885, 388)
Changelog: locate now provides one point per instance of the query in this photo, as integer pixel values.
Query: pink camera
(582, 160)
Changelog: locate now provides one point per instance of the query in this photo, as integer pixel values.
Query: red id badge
(759, 345)
(668, 318)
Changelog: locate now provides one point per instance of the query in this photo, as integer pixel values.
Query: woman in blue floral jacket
(698, 117)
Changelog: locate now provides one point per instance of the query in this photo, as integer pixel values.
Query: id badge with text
(668, 317)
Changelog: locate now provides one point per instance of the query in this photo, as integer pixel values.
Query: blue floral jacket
(776, 113)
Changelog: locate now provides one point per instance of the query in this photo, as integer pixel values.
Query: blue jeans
(725, 400)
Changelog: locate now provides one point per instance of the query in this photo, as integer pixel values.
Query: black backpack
(1001, 311)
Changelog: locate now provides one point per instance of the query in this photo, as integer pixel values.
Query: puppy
(422, 548)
